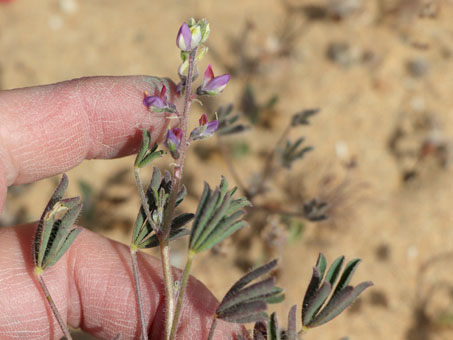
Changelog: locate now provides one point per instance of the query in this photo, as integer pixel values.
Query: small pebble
(418, 67)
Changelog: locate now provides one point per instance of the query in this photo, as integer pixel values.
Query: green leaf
(276, 296)
(146, 155)
(196, 230)
(217, 217)
(55, 232)
(335, 270)
(339, 302)
(146, 139)
(274, 330)
(321, 264)
(348, 272)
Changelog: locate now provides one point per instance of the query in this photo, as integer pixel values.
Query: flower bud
(212, 85)
(173, 141)
(191, 35)
(184, 38)
(205, 130)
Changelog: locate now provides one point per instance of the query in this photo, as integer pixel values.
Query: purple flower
(159, 103)
(184, 38)
(173, 141)
(212, 85)
(205, 130)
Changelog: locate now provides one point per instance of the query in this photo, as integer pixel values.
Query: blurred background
(381, 73)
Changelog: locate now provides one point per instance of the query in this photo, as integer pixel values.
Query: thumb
(93, 288)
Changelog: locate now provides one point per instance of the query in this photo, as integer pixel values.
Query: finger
(46, 130)
(93, 288)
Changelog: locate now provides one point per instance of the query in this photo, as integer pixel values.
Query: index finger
(46, 130)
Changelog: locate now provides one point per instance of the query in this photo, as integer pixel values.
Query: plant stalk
(182, 288)
(168, 283)
(143, 199)
(141, 312)
(54, 308)
(169, 212)
(212, 330)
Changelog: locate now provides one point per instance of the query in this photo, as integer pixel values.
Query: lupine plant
(219, 214)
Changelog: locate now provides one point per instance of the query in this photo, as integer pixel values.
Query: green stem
(54, 308)
(211, 331)
(182, 288)
(141, 312)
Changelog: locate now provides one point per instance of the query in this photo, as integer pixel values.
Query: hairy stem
(54, 309)
(141, 312)
(168, 282)
(182, 288)
(212, 330)
(169, 212)
(143, 199)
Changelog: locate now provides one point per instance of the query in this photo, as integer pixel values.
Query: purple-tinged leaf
(241, 311)
(259, 316)
(274, 330)
(339, 302)
(251, 293)
(346, 277)
(260, 331)
(316, 303)
(250, 277)
(312, 288)
(291, 333)
(335, 270)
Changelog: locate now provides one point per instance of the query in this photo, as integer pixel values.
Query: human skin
(47, 130)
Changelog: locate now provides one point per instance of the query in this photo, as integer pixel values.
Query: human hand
(47, 130)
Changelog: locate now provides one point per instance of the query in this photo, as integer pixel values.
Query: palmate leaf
(146, 155)
(339, 302)
(157, 196)
(218, 216)
(248, 303)
(301, 118)
(228, 122)
(319, 289)
(55, 232)
(292, 152)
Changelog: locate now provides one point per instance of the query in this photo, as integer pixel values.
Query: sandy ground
(382, 76)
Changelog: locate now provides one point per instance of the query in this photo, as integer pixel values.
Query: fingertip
(3, 189)
(49, 129)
